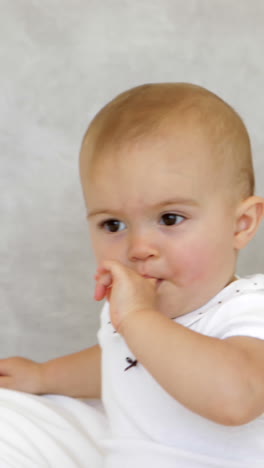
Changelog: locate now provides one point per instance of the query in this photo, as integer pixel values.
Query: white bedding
(50, 431)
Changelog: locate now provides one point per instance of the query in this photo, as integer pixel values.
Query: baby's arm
(75, 375)
(222, 380)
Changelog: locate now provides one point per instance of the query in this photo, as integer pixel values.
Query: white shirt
(148, 426)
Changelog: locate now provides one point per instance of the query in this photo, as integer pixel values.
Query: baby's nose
(141, 247)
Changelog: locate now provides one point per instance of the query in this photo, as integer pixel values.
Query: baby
(168, 182)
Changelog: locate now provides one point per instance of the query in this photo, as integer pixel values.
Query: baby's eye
(113, 225)
(169, 219)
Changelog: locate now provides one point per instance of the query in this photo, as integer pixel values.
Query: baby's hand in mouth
(127, 291)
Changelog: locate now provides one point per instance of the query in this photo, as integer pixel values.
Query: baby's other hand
(127, 291)
(17, 373)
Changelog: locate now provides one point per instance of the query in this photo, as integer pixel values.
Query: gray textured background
(60, 61)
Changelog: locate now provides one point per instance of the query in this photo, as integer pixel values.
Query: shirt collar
(189, 319)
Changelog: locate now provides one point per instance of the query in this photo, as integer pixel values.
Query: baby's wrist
(133, 320)
(45, 378)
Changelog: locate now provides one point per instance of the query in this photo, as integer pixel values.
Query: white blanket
(50, 431)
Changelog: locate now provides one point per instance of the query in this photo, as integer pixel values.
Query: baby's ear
(248, 218)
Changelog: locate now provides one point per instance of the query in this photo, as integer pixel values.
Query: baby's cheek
(105, 252)
(193, 264)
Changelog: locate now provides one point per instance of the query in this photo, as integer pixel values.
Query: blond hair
(143, 111)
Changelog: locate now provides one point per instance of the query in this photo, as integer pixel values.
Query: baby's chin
(168, 300)
(174, 301)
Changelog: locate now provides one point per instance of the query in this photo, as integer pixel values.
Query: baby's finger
(154, 282)
(103, 277)
(100, 292)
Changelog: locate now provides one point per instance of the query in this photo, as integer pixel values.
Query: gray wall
(60, 61)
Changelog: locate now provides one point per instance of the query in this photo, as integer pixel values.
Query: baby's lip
(159, 280)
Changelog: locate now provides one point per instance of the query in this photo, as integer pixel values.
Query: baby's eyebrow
(178, 201)
(99, 212)
(172, 201)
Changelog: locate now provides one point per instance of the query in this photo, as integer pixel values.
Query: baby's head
(167, 175)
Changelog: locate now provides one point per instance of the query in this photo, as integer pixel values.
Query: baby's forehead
(183, 140)
(163, 161)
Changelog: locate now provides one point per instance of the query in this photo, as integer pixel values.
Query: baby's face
(160, 210)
